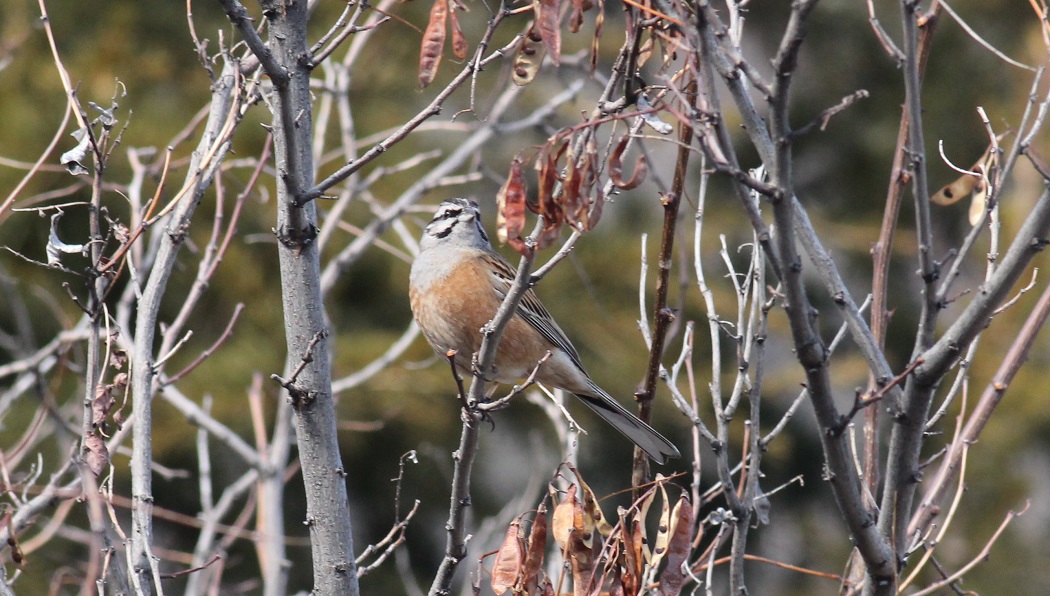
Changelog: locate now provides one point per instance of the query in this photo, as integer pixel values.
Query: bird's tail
(641, 434)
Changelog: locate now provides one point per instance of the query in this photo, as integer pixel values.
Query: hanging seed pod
(529, 57)
(548, 23)
(433, 43)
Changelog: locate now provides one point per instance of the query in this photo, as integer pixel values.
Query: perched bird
(456, 285)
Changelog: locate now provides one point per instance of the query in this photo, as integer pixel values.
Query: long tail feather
(640, 433)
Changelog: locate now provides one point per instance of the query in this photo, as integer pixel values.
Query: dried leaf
(962, 186)
(459, 41)
(101, 405)
(641, 167)
(74, 158)
(651, 118)
(678, 548)
(529, 57)
(510, 215)
(548, 22)
(433, 43)
(119, 387)
(96, 454)
(118, 359)
(55, 247)
(509, 560)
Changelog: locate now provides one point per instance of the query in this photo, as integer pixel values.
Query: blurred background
(142, 52)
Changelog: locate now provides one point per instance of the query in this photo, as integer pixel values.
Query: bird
(456, 284)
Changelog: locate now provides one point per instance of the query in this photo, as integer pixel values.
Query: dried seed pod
(536, 550)
(548, 17)
(529, 57)
(510, 216)
(459, 41)
(576, 16)
(959, 188)
(433, 43)
(678, 547)
(510, 560)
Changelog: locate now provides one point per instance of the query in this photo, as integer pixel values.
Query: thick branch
(213, 145)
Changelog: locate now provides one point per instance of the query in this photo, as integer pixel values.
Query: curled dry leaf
(548, 23)
(509, 560)
(75, 157)
(101, 405)
(55, 247)
(459, 41)
(673, 577)
(651, 118)
(510, 214)
(433, 43)
(641, 167)
(119, 357)
(529, 57)
(95, 453)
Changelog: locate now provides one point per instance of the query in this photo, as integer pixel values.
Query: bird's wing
(531, 309)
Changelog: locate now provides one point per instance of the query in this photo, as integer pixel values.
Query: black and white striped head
(457, 222)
